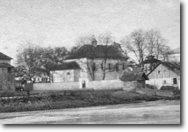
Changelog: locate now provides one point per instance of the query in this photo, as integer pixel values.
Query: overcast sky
(61, 22)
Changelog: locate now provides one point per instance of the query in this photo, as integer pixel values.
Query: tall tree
(32, 57)
(141, 44)
(105, 40)
(156, 44)
(87, 40)
(135, 44)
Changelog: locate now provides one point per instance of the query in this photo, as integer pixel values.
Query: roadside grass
(71, 99)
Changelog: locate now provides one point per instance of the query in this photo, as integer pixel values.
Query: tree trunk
(104, 69)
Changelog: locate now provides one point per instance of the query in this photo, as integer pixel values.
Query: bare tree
(85, 40)
(135, 44)
(146, 43)
(88, 40)
(164, 51)
(155, 44)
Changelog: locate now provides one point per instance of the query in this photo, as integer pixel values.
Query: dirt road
(156, 112)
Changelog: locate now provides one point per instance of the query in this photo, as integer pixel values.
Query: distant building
(174, 56)
(66, 72)
(6, 74)
(165, 74)
(90, 63)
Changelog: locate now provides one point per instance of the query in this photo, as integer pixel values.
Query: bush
(7, 93)
(177, 92)
(19, 88)
(150, 86)
(128, 76)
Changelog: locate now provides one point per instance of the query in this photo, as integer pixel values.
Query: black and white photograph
(90, 62)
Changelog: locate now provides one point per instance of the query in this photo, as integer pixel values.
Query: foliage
(129, 75)
(169, 88)
(31, 57)
(150, 86)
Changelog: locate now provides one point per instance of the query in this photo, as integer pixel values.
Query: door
(83, 84)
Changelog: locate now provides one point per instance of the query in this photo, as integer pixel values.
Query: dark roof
(151, 61)
(175, 67)
(4, 57)
(5, 65)
(98, 51)
(64, 66)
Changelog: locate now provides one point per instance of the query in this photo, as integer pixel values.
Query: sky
(62, 22)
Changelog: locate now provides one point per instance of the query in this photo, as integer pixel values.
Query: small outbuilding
(65, 72)
(165, 74)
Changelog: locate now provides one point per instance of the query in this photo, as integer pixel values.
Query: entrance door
(84, 84)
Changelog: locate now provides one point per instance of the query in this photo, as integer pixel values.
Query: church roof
(175, 67)
(98, 51)
(5, 65)
(64, 66)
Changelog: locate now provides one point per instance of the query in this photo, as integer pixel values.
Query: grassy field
(73, 99)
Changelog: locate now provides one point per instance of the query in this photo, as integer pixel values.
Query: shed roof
(4, 57)
(175, 67)
(5, 65)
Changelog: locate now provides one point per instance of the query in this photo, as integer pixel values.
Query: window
(109, 66)
(164, 82)
(117, 67)
(68, 73)
(158, 72)
(174, 80)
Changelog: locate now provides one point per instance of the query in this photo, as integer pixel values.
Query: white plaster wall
(159, 82)
(105, 84)
(97, 85)
(56, 86)
(110, 75)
